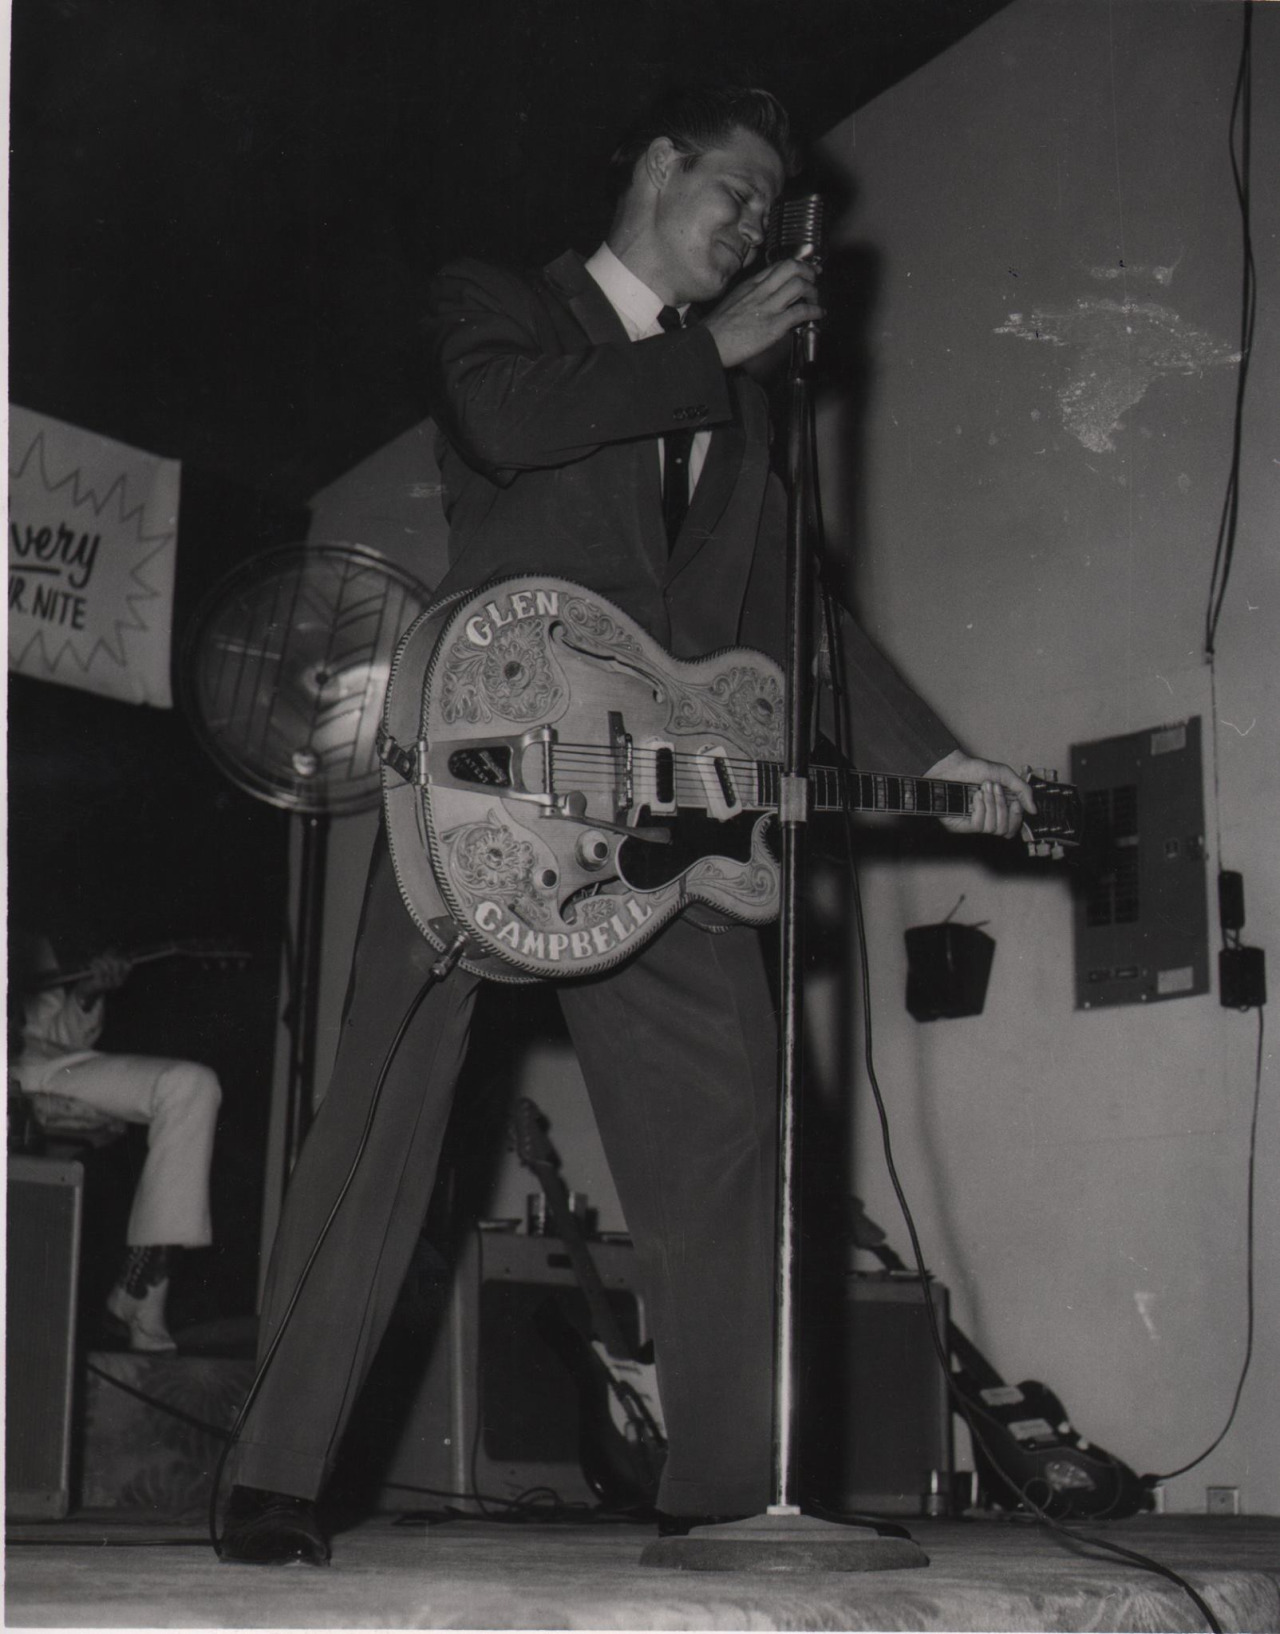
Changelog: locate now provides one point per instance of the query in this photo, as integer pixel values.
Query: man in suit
(561, 398)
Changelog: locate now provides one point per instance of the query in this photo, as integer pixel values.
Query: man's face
(709, 220)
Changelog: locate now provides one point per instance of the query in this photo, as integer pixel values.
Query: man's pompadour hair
(698, 118)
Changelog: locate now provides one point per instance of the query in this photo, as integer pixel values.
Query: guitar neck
(837, 788)
(43, 980)
(605, 1323)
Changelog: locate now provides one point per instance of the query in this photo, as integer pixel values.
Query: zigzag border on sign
(83, 493)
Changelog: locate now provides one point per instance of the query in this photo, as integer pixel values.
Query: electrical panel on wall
(1141, 910)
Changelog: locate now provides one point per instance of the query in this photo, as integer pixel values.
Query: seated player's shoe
(264, 1528)
(142, 1316)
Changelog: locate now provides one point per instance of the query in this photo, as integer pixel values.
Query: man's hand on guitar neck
(107, 971)
(1001, 800)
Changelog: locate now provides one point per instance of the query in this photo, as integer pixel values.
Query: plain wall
(1033, 528)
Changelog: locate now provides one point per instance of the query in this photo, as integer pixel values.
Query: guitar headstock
(1057, 824)
(529, 1129)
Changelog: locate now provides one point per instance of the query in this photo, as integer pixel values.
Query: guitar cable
(1249, 1269)
(1239, 146)
(436, 974)
(969, 1413)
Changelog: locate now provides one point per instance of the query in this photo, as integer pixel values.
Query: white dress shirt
(638, 307)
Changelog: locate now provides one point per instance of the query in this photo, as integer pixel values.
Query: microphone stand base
(783, 1542)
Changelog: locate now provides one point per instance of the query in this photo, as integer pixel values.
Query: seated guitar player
(75, 1089)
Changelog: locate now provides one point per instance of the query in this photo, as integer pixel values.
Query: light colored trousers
(178, 1101)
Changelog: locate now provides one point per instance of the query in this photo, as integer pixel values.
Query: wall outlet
(1222, 1500)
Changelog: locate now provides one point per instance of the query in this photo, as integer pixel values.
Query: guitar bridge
(624, 767)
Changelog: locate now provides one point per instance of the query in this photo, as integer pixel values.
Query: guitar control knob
(593, 849)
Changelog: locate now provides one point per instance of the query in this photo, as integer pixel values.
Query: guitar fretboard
(835, 789)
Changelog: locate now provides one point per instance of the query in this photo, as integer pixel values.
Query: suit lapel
(578, 290)
(586, 301)
(574, 286)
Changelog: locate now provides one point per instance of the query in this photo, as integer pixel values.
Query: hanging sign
(93, 532)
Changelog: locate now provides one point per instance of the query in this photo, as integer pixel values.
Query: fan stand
(284, 671)
(303, 1015)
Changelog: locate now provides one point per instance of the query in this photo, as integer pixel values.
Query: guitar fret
(833, 788)
(826, 791)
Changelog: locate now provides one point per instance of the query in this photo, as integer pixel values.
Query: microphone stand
(784, 1538)
(793, 816)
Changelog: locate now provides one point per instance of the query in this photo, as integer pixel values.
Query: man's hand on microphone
(763, 309)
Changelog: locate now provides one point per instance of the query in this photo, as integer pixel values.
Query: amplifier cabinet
(875, 1413)
(44, 1211)
(495, 1410)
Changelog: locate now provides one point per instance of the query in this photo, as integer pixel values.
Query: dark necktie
(677, 447)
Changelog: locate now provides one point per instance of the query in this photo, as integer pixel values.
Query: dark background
(223, 212)
(222, 217)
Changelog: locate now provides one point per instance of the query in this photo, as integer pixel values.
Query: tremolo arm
(504, 765)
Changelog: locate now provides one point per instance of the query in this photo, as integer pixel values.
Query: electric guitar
(559, 786)
(1025, 1448)
(623, 1438)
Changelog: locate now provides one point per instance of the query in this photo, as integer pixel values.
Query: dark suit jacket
(550, 419)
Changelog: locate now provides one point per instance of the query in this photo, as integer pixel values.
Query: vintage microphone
(797, 231)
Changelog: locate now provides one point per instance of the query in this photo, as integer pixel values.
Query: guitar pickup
(655, 777)
(717, 783)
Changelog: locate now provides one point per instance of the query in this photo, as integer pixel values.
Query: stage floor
(983, 1574)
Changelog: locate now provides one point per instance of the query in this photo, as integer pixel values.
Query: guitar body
(560, 786)
(622, 1444)
(621, 1456)
(1025, 1446)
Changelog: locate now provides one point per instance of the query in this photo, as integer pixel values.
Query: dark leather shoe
(272, 1529)
(679, 1526)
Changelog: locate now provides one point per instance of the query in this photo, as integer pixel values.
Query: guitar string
(569, 758)
(572, 752)
(750, 772)
(607, 754)
(691, 790)
(580, 758)
(575, 752)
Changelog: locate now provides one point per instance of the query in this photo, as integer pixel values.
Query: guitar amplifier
(493, 1409)
(44, 1210)
(875, 1412)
